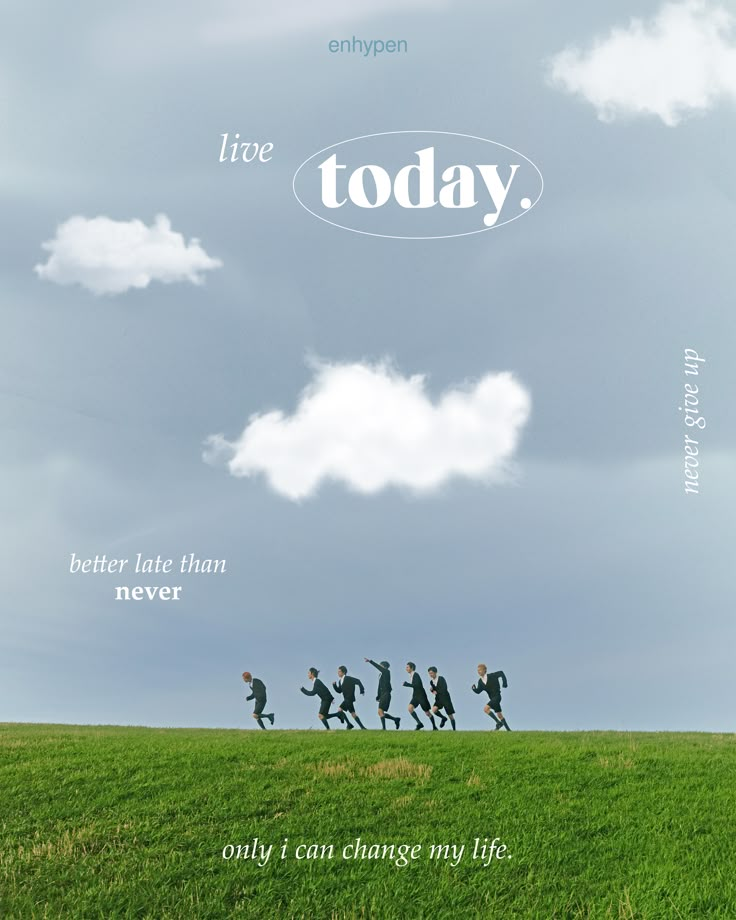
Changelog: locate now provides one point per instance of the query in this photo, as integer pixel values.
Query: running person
(489, 683)
(418, 697)
(347, 685)
(383, 697)
(325, 696)
(442, 700)
(257, 693)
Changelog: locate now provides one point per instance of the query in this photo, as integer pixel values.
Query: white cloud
(370, 428)
(111, 256)
(680, 62)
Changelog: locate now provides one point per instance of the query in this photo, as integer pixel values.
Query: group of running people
(348, 686)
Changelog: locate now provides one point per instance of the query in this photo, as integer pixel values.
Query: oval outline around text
(390, 236)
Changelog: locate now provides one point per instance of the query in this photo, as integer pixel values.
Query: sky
(187, 358)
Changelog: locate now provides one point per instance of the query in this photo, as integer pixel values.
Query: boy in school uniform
(442, 698)
(326, 699)
(383, 697)
(347, 686)
(418, 697)
(257, 693)
(489, 684)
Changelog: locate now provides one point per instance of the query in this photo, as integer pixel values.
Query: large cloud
(680, 62)
(111, 256)
(370, 428)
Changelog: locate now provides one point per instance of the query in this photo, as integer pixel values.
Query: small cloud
(678, 63)
(371, 428)
(111, 256)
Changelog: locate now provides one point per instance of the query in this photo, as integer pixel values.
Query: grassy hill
(131, 822)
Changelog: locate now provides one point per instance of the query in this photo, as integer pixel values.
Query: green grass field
(130, 822)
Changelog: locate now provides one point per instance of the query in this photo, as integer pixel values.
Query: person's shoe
(271, 717)
(349, 726)
(434, 728)
(499, 726)
(443, 722)
(342, 717)
(418, 726)
(398, 722)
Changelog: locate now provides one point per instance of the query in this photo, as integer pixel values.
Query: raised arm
(478, 688)
(502, 677)
(337, 686)
(375, 664)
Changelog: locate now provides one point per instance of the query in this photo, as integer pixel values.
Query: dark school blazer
(491, 686)
(319, 690)
(442, 694)
(417, 687)
(384, 681)
(347, 686)
(257, 690)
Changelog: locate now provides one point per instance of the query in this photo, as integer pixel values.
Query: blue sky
(603, 591)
